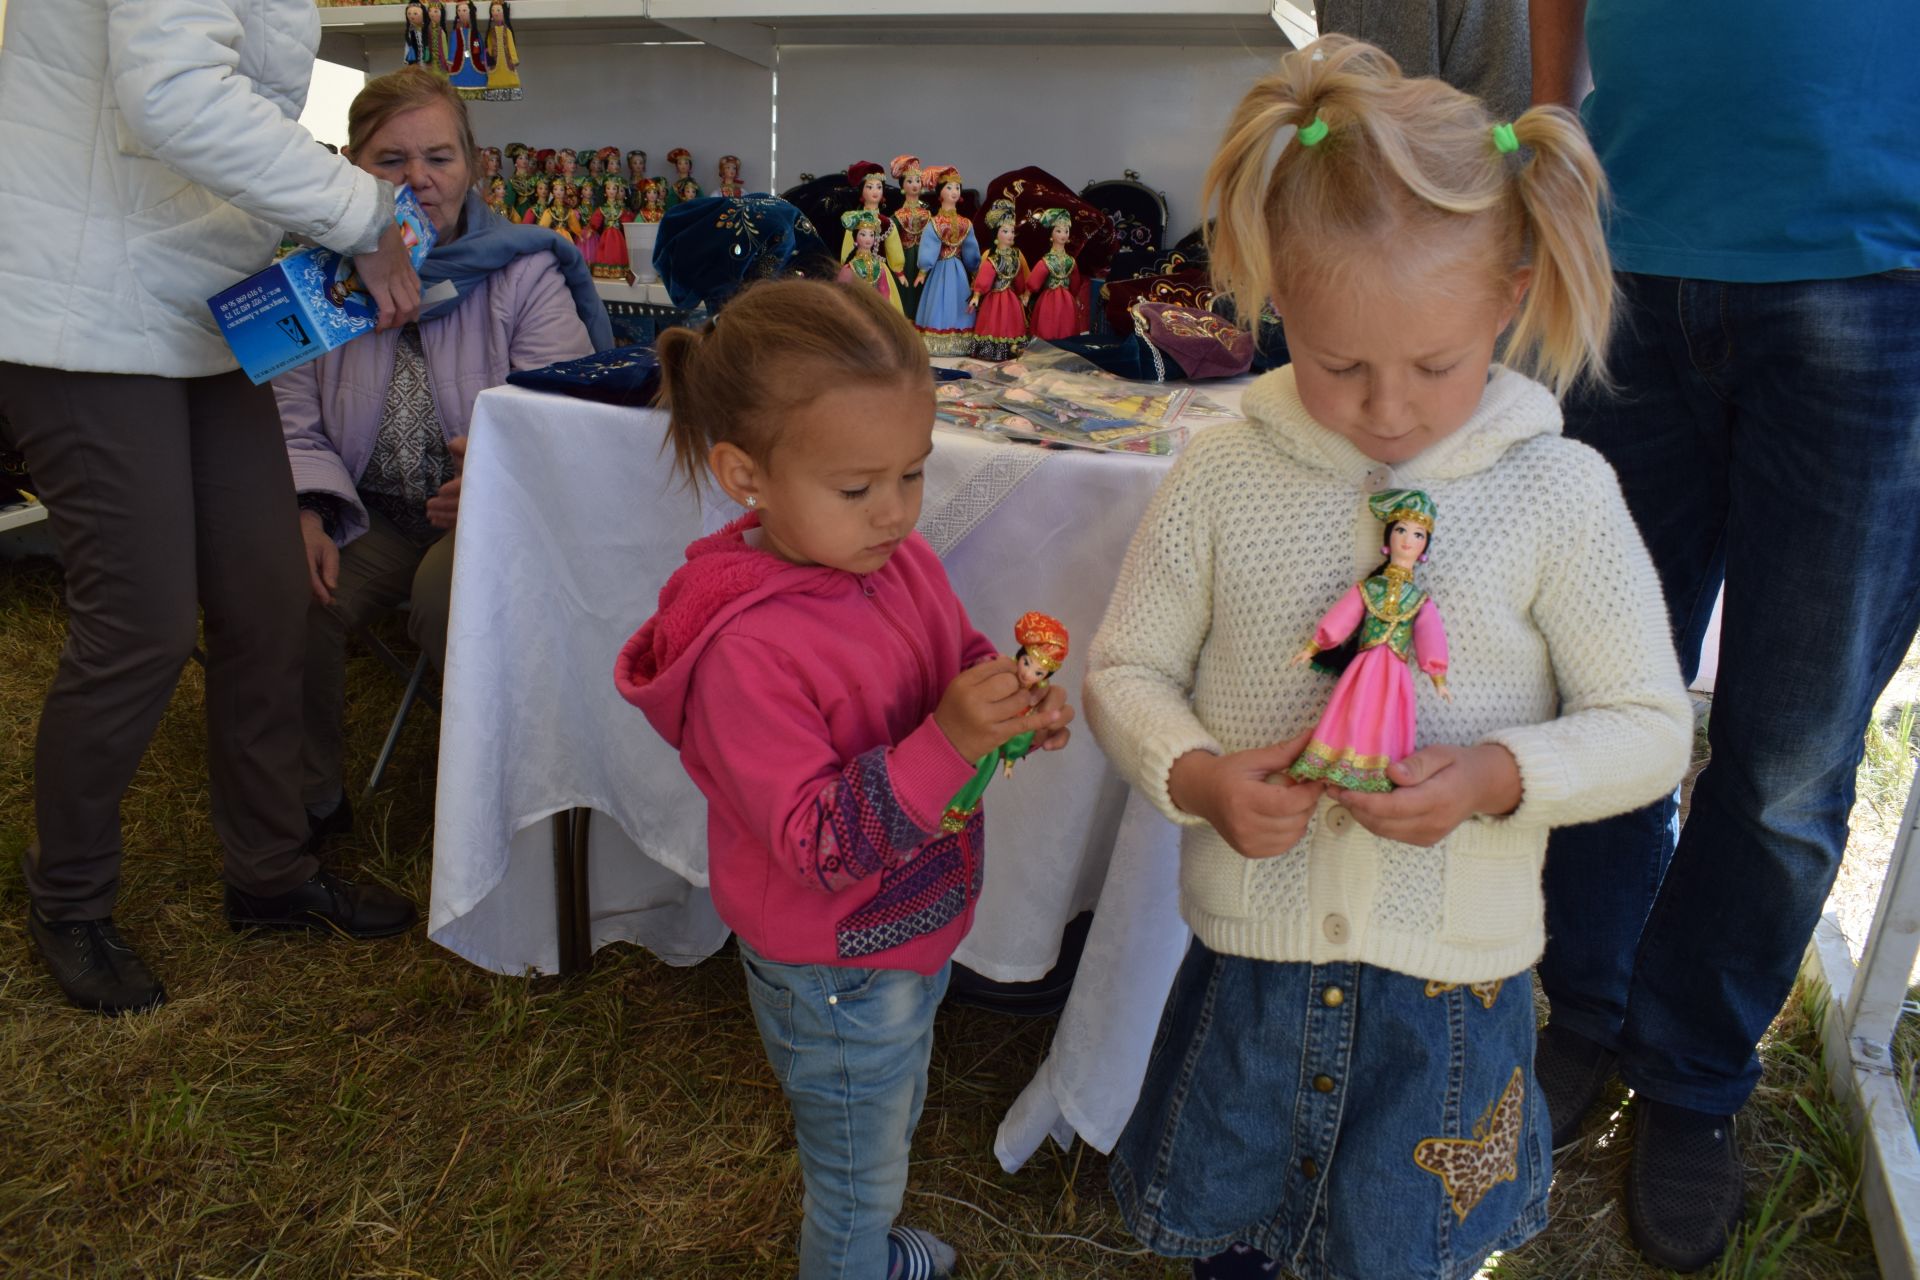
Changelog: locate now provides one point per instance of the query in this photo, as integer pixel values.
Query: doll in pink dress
(865, 265)
(1390, 623)
(999, 300)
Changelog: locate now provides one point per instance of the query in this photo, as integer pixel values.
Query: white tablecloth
(570, 522)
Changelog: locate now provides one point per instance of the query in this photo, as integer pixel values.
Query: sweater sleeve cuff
(1157, 757)
(925, 772)
(1545, 781)
(375, 227)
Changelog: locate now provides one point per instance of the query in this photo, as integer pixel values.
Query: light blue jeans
(850, 1047)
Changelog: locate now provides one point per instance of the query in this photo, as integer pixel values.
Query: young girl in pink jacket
(828, 695)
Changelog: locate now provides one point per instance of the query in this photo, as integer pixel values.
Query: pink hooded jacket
(801, 701)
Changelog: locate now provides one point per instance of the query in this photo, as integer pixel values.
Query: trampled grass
(306, 1108)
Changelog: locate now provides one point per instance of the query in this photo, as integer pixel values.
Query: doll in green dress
(1043, 647)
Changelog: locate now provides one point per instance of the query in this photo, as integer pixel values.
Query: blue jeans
(1767, 434)
(850, 1047)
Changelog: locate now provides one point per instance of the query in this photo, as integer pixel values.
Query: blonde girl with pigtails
(1344, 1075)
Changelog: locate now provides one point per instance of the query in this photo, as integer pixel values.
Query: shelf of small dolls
(626, 14)
(860, 22)
(882, 21)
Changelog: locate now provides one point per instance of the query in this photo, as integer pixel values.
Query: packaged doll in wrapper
(863, 227)
(999, 298)
(1061, 308)
(1043, 647)
(1381, 625)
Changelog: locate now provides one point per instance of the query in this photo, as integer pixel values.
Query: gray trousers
(378, 570)
(164, 494)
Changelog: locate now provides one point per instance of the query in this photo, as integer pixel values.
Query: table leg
(582, 907)
(563, 890)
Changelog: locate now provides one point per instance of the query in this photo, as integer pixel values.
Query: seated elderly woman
(376, 430)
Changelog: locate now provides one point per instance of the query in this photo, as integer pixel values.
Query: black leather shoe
(94, 965)
(1573, 1072)
(1686, 1187)
(321, 831)
(324, 902)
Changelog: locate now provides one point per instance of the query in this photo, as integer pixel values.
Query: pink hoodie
(801, 701)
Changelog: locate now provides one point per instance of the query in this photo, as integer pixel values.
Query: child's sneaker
(912, 1254)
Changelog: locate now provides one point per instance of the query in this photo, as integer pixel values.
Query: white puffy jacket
(150, 157)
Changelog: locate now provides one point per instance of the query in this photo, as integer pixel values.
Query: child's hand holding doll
(1247, 796)
(1435, 790)
(986, 706)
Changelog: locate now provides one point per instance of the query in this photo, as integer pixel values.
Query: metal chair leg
(399, 721)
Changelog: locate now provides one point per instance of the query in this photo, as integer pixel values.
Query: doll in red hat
(1043, 647)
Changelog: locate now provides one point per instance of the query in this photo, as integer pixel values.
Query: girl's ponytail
(1561, 332)
(676, 350)
(1238, 199)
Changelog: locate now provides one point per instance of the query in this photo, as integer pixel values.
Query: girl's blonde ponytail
(1561, 332)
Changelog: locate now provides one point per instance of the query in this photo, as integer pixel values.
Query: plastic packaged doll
(869, 179)
(607, 225)
(910, 221)
(1060, 310)
(653, 200)
(503, 55)
(466, 55)
(1380, 626)
(1043, 647)
(683, 181)
(865, 265)
(999, 290)
(418, 48)
(949, 255)
(730, 184)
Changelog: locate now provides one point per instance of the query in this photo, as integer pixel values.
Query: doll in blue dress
(949, 255)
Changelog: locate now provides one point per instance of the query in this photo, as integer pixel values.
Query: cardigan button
(1377, 479)
(1338, 819)
(1335, 927)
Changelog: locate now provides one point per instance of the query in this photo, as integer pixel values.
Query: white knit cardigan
(1559, 650)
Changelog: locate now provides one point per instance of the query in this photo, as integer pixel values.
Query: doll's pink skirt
(1368, 724)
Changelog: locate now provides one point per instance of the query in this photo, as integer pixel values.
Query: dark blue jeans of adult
(1769, 433)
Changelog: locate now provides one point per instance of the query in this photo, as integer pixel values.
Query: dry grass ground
(305, 1108)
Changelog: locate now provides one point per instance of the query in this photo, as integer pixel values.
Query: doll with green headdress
(1382, 627)
(999, 299)
(864, 228)
(1060, 310)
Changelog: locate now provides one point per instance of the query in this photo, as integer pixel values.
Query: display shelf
(655, 293)
(746, 25)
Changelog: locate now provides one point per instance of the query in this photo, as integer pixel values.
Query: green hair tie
(1503, 140)
(1312, 131)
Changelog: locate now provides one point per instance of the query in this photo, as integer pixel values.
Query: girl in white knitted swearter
(1344, 1074)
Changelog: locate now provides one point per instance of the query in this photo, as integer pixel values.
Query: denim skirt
(1352, 1122)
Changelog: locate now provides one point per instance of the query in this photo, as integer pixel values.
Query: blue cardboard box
(308, 303)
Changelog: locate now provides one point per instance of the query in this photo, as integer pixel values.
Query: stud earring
(1385, 552)
(1423, 557)
(752, 501)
